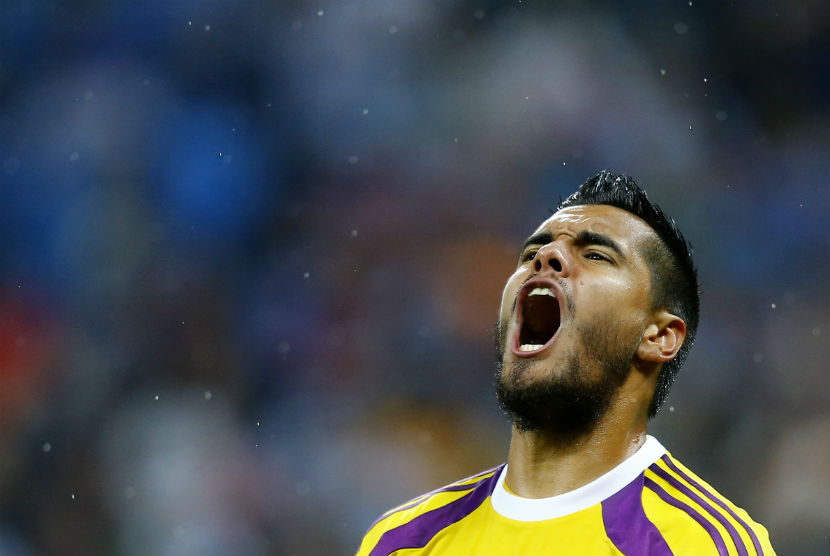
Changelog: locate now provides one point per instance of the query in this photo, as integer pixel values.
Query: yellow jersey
(648, 504)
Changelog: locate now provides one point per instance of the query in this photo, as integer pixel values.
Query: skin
(598, 278)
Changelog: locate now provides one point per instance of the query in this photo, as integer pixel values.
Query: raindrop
(73, 496)
(353, 160)
(681, 28)
(705, 80)
(564, 163)
(207, 27)
(74, 156)
(365, 111)
(320, 12)
(393, 29)
(189, 23)
(671, 409)
(690, 127)
(257, 423)
(284, 347)
(208, 395)
(816, 332)
(662, 71)
(772, 305)
(47, 447)
(306, 275)
(157, 397)
(353, 233)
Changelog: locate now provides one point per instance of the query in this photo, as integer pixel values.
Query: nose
(552, 256)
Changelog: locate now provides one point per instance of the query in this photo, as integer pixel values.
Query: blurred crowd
(251, 253)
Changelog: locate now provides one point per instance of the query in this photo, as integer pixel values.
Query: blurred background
(251, 253)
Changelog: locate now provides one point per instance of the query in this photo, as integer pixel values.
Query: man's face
(572, 316)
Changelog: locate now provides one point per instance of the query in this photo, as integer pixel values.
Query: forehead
(613, 222)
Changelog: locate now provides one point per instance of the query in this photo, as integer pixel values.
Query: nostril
(538, 265)
(557, 266)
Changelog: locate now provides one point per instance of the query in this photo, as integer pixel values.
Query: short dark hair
(674, 283)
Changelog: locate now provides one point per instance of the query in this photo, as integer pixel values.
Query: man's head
(604, 286)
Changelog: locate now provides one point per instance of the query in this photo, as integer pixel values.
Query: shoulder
(688, 511)
(404, 519)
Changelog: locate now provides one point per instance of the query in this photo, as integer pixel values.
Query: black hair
(674, 283)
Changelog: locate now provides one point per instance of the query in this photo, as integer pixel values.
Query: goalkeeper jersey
(649, 504)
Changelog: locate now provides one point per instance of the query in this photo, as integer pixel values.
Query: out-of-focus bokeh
(251, 252)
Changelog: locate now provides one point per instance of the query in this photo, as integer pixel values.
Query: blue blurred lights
(215, 182)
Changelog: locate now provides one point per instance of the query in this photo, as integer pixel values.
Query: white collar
(537, 509)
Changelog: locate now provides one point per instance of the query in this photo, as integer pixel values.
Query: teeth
(541, 291)
(530, 347)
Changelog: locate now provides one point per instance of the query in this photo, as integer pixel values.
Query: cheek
(509, 293)
(613, 300)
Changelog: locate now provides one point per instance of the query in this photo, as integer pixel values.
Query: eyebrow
(541, 238)
(592, 238)
(583, 238)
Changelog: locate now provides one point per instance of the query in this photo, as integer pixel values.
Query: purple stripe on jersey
(455, 487)
(627, 525)
(693, 513)
(736, 538)
(758, 549)
(418, 532)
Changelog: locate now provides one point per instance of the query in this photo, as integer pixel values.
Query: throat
(541, 465)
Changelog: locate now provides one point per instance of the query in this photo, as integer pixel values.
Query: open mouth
(538, 315)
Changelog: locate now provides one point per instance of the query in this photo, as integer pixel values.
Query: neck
(543, 464)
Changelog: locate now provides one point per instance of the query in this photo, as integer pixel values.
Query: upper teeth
(541, 291)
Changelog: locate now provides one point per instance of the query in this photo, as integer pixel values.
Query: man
(594, 325)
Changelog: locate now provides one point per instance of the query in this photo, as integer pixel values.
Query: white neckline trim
(537, 509)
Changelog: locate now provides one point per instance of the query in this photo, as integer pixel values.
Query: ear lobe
(662, 339)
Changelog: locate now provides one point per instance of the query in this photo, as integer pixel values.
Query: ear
(662, 338)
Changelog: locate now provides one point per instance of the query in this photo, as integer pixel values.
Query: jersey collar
(537, 509)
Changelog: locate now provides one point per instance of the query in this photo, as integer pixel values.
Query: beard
(566, 404)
